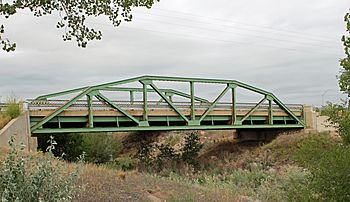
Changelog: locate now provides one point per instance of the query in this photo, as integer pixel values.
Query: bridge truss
(90, 109)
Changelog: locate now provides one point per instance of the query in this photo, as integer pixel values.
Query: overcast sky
(291, 48)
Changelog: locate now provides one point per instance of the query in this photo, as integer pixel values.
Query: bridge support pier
(262, 134)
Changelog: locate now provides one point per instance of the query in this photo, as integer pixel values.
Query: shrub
(144, 154)
(339, 116)
(12, 109)
(69, 146)
(190, 150)
(167, 157)
(290, 184)
(329, 164)
(159, 157)
(98, 147)
(39, 178)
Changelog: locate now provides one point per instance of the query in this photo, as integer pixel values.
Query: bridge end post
(309, 118)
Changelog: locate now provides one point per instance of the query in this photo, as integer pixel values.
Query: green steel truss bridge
(93, 108)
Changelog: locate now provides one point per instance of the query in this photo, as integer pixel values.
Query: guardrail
(35, 105)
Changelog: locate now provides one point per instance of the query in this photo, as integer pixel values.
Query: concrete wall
(317, 123)
(322, 125)
(310, 117)
(19, 129)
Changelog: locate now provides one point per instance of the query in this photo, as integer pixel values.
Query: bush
(69, 146)
(12, 109)
(329, 163)
(39, 178)
(191, 149)
(98, 147)
(158, 157)
(339, 116)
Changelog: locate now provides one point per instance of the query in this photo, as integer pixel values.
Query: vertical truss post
(270, 99)
(234, 113)
(144, 121)
(145, 103)
(193, 115)
(90, 111)
(59, 122)
(169, 95)
(193, 120)
(131, 97)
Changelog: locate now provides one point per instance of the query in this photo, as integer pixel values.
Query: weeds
(40, 178)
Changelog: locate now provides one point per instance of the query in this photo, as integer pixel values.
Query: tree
(344, 78)
(73, 15)
(339, 114)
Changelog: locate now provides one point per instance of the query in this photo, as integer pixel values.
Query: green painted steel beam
(90, 111)
(253, 109)
(164, 128)
(193, 115)
(34, 120)
(131, 97)
(105, 99)
(234, 112)
(166, 90)
(57, 94)
(160, 78)
(145, 102)
(214, 103)
(284, 107)
(60, 109)
(270, 112)
(202, 80)
(169, 102)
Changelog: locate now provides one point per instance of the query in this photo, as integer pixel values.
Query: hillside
(227, 170)
(230, 171)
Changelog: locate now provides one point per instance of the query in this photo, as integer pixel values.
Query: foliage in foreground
(329, 164)
(73, 16)
(36, 178)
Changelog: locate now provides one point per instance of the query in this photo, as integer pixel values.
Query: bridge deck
(159, 114)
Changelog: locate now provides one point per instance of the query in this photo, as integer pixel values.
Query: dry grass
(4, 119)
(229, 155)
(103, 184)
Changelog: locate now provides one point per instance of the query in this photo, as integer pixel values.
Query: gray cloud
(289, 47)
